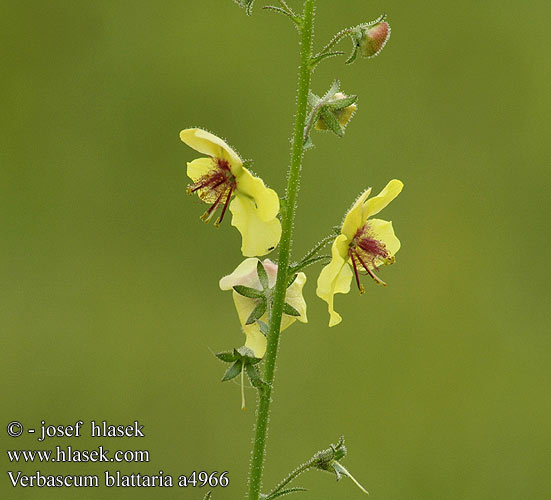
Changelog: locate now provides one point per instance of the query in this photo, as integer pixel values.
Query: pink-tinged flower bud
(374, 38)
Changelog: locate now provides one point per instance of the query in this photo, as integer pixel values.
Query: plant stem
(304, 264)
(318, 247)
(311, 121)
(336, 39)
(257, 461)
(293, 475)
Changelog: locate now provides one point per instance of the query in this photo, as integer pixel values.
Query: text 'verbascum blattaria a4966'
(118, 480)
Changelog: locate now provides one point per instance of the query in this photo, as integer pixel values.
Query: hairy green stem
(304, 264)
(318, 247)
(293, 475)
(311, 119)
(336, 39)
(257, 461)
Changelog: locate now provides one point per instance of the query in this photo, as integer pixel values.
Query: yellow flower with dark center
(363, 246)
(221, 180)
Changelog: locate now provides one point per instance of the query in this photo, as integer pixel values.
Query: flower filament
(215, 187)
(365, 251)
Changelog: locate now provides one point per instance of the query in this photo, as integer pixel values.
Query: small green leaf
(233, 371)
(258, 312)
(262, 276)
(290, 310)
(249, 292)
(208, 495)
(227, 356)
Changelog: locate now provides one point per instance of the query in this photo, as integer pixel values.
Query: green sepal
(308, 144)
(208, 495)
(284, 492)
(246, 4)
(342, 103)
(292, 280)
(262, 275)
(264, 328)
(313, 99)
(228, 356)
(254, 376)
(246, 354)
(356, 37)
(381, 18)
(247, 291)
(258, 312)
(335, 86)
(290, 310)
(332, 123)
(338, 470)
(233, 371)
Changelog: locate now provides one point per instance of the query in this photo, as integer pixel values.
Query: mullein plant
(268, 295)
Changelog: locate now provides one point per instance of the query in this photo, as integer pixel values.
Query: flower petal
(244, 307)
(271, 271)
(199, 167)
(382, 230)
(266, 199)
(353, 218)
(209, 144)
(259, 237)
(244, 274)
(377, 203)
(256, 342)
(334, 278)
(295, 298)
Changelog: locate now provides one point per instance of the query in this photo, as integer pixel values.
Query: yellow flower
(363, 245)
(221, 176)
(246, 275)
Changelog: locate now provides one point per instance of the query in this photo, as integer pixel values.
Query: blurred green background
(109, 302)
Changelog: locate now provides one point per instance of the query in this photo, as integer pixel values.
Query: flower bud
(374, 38)
(342, 114)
